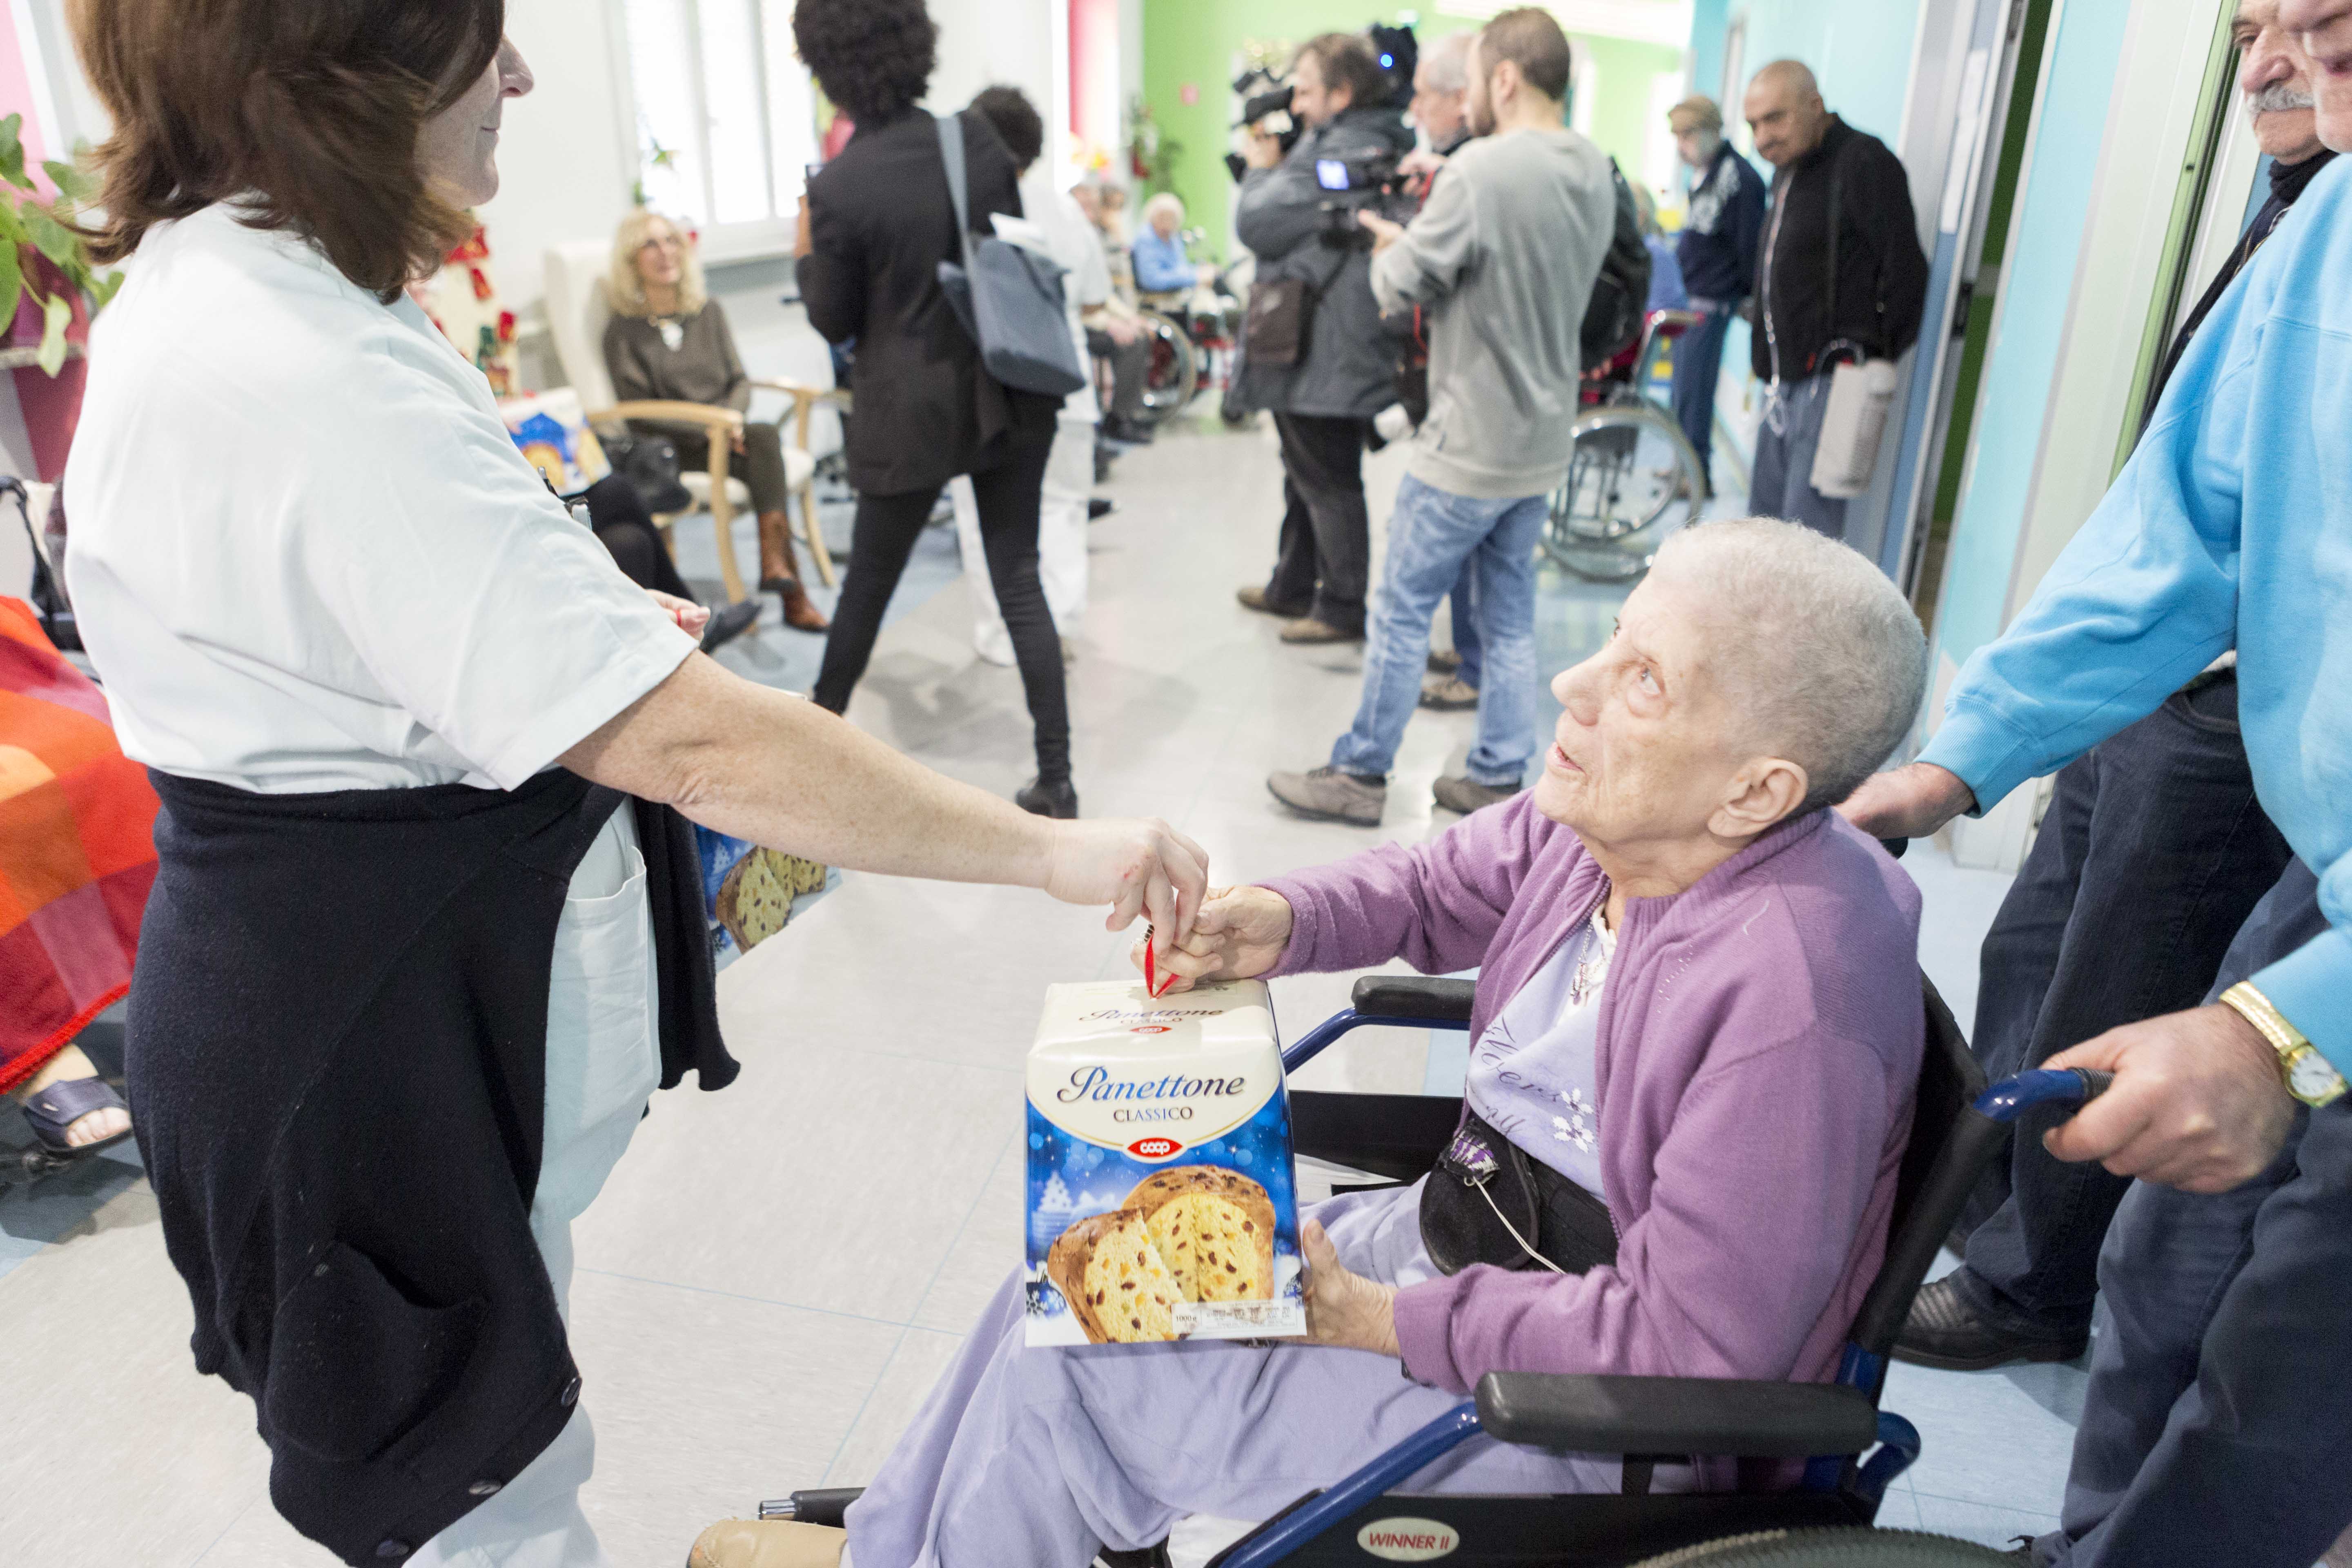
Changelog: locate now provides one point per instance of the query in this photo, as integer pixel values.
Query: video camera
(1362, 180)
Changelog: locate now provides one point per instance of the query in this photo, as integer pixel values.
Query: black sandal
(53, 1109)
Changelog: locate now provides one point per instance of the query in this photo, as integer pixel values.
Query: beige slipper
(767, 1543)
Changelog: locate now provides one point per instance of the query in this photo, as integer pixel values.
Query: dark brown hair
(1532, 40)
(1346, 60)
(314, 105)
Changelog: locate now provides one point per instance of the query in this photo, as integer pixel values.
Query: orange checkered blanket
(77, 849)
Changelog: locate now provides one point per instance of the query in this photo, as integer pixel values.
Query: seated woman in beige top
(668, 339)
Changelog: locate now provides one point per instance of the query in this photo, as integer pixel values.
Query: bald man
(1841, 277)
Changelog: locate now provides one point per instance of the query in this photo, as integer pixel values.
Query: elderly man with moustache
(2154, 846)
(1840, 277)
(2218, 1424)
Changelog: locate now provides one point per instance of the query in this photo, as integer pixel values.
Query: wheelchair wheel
(1832, 1548)
(1172, 373)
(1632, 479)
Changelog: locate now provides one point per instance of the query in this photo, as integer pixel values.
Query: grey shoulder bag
(1008, 298)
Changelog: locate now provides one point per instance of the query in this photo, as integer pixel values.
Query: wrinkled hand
(2198, 1103)
(1384, 232)
(1262, 150)
(1343, 1309)
(1238, 932)
(1139, 867)
(690, 616)
(1908, 803)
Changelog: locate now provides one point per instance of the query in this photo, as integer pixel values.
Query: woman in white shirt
(313, 570)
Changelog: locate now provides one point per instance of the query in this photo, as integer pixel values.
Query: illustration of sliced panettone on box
(1214, 1228)
(755, 898)
(1113, 1277)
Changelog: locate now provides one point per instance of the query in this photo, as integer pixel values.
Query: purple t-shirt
(1531, 1074)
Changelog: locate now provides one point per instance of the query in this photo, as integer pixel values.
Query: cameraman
(1503, 260)
(1344, 371)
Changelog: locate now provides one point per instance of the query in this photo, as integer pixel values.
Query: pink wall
(16, 94)
(1094, 71)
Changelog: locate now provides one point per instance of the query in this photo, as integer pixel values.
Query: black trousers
(1326, 560)
(2153, 854)
(2217, 1427)
(617, 513)
(887, 526)
(1128, 363)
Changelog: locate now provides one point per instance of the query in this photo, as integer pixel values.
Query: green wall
(1196, 43)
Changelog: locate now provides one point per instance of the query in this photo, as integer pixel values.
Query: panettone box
(1160, 1199)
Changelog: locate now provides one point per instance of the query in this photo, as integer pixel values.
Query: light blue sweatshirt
(2230, 527)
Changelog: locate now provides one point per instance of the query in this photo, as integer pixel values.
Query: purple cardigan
(1758, 1051)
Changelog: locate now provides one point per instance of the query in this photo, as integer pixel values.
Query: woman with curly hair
(874, 227)
(668, 339)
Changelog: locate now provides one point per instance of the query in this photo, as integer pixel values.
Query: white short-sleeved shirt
(306, 554)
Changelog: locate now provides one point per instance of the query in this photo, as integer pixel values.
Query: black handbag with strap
(1488, 1201)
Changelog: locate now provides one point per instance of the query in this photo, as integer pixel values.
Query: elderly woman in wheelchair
(1696, 1042)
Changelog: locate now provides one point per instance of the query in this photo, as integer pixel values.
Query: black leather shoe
(729, 622)
(1039, 798)
(1945, 1329)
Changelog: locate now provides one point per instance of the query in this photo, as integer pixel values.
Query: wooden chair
(577, 309)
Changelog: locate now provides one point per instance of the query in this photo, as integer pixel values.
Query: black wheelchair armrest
(1415, 996)
(1593, 1414)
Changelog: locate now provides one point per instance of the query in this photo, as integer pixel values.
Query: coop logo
(1149, 1029)
(1409, 1540)
(1154, 1148)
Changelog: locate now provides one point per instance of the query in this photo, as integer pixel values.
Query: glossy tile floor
(776, 1274)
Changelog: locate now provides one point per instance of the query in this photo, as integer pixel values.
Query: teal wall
(1709, 19)
(1859, 49)
(2051, 215)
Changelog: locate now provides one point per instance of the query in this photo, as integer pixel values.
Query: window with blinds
(725, 116)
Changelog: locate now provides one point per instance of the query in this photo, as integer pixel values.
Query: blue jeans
(1466, 627)
(2153, 854)
(2218, 1424)
(1698, 360)
(1783, 483)
(1432, 534)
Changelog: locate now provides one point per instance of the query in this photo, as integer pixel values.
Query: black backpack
(1621, 294)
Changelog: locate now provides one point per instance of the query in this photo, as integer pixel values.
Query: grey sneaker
(1308, 629)
(1466, 795)
(1326, 795)
(1443, 661)
(1447, 693)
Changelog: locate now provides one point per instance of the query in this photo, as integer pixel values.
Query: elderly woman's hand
(1344, 1309)
(1239, 932)
(690, 616)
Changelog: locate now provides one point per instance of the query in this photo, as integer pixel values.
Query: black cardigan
(880, 222)
(1880, 284)
(337, 1061)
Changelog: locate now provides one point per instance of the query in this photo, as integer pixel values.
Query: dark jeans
(887, 526)
(1782, 484)
(1326, 560)
(1698, 362)
(2218, 1424)
(617, 513)
(2152, 855)
(759, 465)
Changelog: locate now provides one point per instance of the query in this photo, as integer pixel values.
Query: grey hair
(1812, 640)
(1165, 200)
(1448, 61)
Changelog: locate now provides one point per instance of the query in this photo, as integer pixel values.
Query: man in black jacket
(1841, 277)
(1716, 252)
(1323, 402)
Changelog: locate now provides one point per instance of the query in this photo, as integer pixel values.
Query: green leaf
(74, 185)
(49, 237)
(12, 152)
(12, 285)
(102, 291)
(53, 335)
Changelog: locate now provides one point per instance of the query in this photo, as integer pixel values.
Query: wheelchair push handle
(819, 1505)
(2012, 1097)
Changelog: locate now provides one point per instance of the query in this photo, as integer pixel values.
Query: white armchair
(577, 309)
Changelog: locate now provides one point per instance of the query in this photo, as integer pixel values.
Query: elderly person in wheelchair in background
(1695, 1047)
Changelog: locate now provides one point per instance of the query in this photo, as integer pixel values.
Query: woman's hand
(1238, 932)
(1343, 1309)
(1144, 868)
(690, 616)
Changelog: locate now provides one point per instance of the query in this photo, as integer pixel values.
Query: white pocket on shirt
(603, 1061)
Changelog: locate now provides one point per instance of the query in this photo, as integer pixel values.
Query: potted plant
(49, 291)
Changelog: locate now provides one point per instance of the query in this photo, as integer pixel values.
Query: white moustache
(2277, 98)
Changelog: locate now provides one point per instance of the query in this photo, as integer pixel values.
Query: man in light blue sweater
(2218, 1427)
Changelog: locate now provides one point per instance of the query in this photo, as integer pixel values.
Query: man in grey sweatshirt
(1502, 258)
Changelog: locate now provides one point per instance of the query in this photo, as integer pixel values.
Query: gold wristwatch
(2310, 1076)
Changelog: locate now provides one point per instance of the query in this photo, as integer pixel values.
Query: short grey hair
(1447, 61)
(1165, 200)
(1816, 643)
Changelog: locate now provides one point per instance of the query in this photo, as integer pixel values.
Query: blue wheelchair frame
(1898, 1442)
